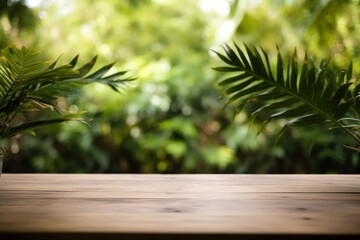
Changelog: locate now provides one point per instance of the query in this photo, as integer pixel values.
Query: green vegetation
(28, 85)
(303, 96)
(173, 119)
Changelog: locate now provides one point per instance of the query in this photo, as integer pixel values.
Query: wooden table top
(202, 206)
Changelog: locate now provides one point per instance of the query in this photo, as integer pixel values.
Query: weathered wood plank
(230, 205)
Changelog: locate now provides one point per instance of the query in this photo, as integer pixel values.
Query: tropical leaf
(300, 93)
(30, 127)
(28, 83)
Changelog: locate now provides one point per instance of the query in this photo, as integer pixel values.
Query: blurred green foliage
(17, 21)
(173, 120)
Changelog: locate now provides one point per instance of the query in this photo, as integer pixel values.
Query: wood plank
(270, 183)
(229, 205)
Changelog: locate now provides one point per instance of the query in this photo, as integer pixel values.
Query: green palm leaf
(28, 83)
(30, 127)
(303, 95)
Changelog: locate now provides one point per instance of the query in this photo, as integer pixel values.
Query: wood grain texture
(136, 206)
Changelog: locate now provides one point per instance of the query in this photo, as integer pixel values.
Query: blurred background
(173, 119)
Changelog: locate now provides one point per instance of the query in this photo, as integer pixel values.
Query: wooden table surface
(203, 206)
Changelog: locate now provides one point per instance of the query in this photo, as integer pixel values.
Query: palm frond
(303, 95)
(28, 83)
(30, 127)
